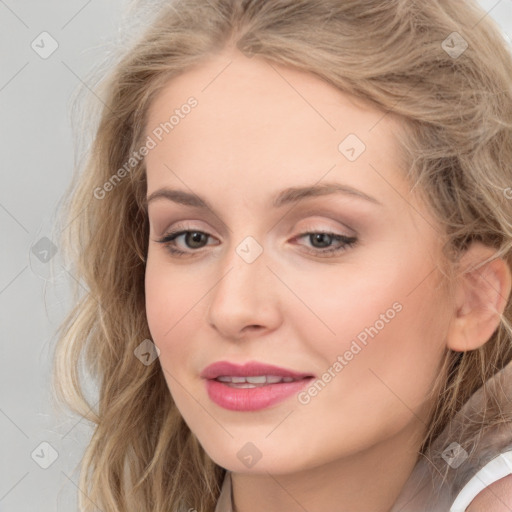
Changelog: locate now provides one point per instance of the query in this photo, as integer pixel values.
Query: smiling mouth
(253, 392)
(255, 381)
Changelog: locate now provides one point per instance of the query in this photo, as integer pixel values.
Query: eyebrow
(286, 196)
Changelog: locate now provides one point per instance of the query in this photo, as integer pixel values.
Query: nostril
(253, 327)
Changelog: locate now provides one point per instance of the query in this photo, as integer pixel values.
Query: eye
(322, 242)
(193, 238)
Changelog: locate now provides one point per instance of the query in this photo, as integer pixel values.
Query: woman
(294, 225)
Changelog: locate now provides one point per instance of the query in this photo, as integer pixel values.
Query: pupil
(195, 237)
(320, 237)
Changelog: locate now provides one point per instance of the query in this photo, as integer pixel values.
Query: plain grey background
(37, 158)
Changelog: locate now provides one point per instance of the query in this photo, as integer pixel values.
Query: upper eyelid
(327, 216)
(187, 227)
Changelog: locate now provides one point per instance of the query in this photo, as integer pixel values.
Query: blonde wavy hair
(457, 142)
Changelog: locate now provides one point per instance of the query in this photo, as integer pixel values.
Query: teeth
(224, 379)
(261, 379)
(256, 379)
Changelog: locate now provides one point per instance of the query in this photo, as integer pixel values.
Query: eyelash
(347, 242)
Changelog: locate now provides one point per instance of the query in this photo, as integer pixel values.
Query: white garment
(493, 471)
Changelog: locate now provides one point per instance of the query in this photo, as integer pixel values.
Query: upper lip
(252, 368)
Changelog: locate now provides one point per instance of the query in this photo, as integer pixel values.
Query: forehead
(262, 123)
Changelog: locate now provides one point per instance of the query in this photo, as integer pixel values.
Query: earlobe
(481, 294)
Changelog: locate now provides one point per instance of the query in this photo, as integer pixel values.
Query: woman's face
(365, 320)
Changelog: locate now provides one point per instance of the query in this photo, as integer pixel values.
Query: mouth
(253, 386)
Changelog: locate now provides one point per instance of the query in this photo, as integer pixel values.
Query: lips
(252, 386)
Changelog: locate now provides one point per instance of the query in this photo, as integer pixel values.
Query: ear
(481, 295)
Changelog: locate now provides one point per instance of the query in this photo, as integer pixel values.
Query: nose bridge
(245, 293)
(244, 272)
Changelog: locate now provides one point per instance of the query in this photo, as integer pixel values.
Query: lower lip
(252, 399)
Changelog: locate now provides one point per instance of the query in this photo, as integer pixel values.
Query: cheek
(375, 304)
(170, 297)
(382, 336)
(380, 365)
(172, 313)
(160, 301)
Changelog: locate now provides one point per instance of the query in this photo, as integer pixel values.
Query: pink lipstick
(252, 386)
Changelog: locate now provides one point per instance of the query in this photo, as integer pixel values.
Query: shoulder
(495, 498)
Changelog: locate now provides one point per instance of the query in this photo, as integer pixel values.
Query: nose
(245, 300)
